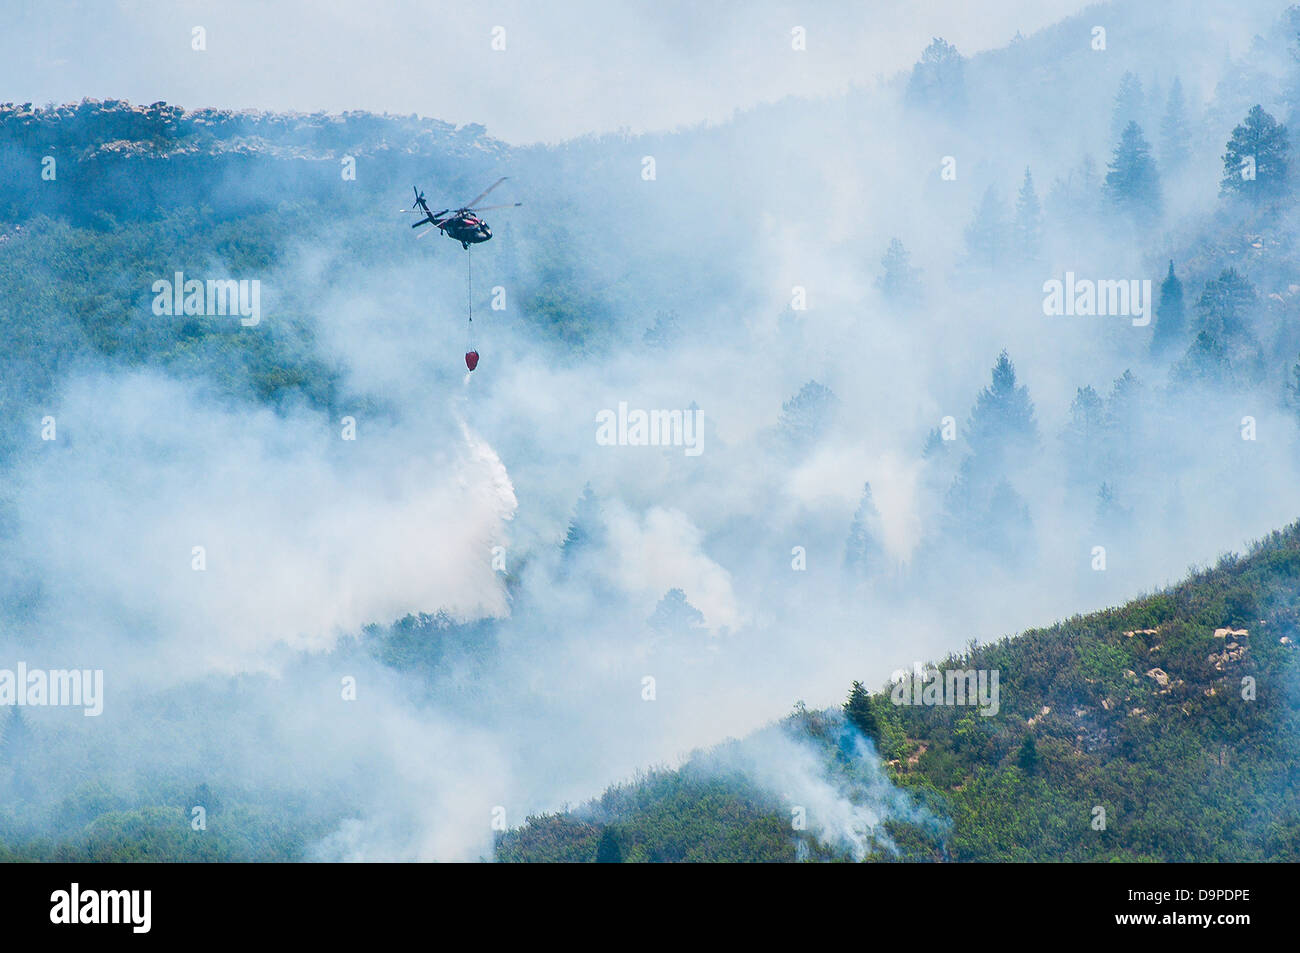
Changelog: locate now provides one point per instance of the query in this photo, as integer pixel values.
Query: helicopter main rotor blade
(489, 208)
(482, 195)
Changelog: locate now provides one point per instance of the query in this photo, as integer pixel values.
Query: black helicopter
(462, 224)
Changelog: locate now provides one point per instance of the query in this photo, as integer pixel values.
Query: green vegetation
(104, 826)
(79, 297)
(710, 810)
(1184, 738)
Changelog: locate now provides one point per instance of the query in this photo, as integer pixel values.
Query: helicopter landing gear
(464, 245)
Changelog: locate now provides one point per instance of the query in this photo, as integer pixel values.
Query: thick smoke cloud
(308, 537)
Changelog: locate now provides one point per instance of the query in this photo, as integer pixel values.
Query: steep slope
(1163, 730)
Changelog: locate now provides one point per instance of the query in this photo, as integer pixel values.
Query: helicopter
(461, 224)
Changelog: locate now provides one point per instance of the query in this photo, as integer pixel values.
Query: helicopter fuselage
(466, 229)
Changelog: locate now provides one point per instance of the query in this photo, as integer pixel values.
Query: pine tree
(938, 81)
(1086, 413)
(1028, 757)
(1256, 163)
(1084, 437)
(608, 849)
(1225, 307)
(805, 414)
(863, 553)
(586, 529)
(934, 443)
(981, 507)
(1027, 231)
(861, 714)
(1123, 402)
(1205, 363)
(1175, 135)
(1123, 415)
(1132, 182)
(899, 282)
(1171, 315)
(1225, 350)
(986, 236)
(675, 614)
(1003, 416)
(1129, 105)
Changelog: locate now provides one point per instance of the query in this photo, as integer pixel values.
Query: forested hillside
(1177, 715)
(1006, 338)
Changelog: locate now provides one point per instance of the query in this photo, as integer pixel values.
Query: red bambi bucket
(471, 359)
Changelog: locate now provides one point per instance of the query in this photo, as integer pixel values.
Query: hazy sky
(568, 68)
